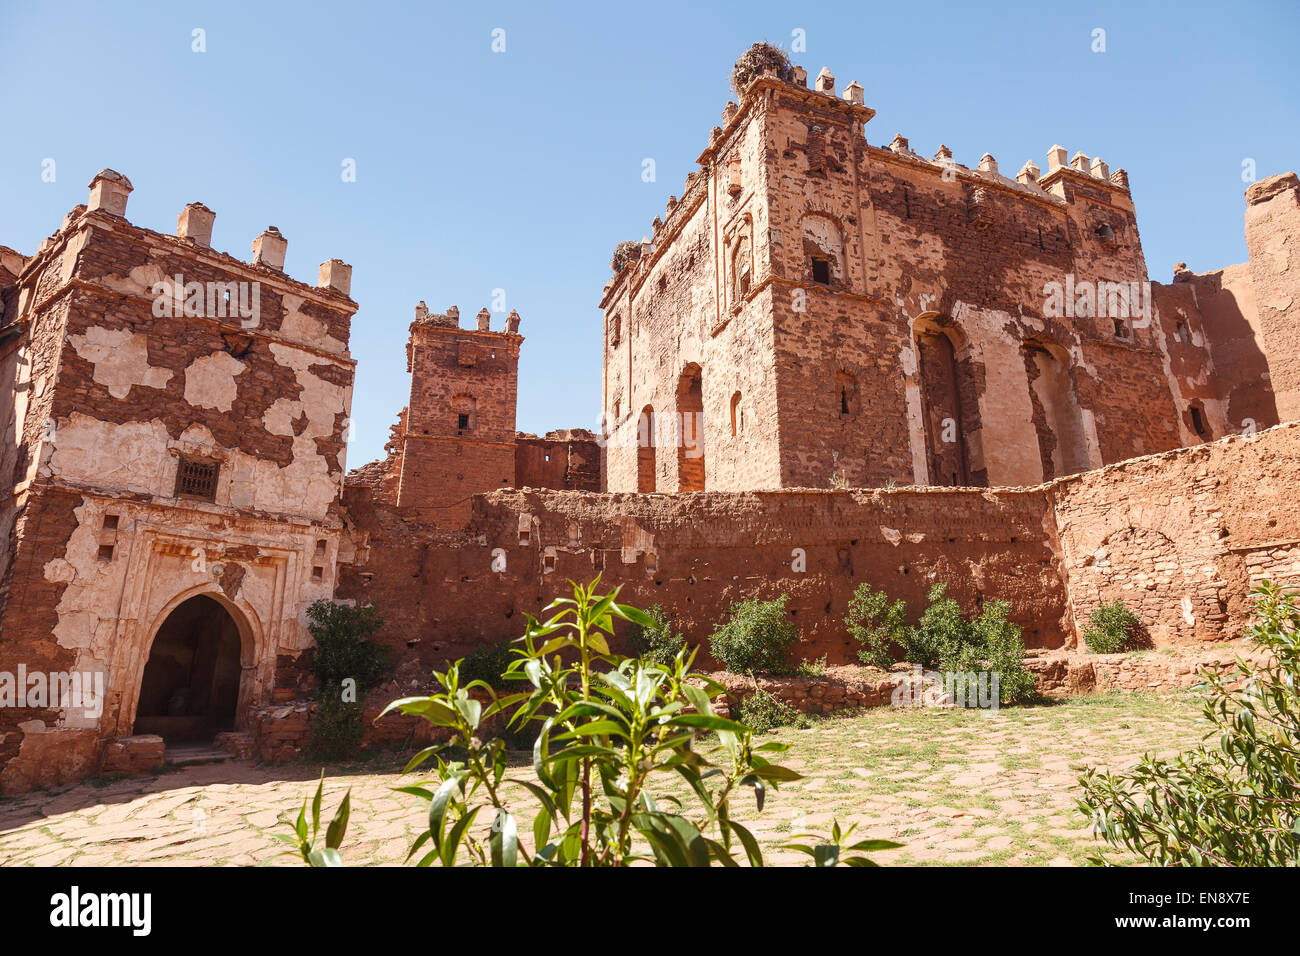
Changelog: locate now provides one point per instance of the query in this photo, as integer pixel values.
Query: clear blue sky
(520, 170)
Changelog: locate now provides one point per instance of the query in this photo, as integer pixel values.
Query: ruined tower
(816, 311)
(458, 434)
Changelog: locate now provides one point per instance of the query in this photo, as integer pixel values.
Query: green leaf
(339, 825)
(325, 857)
(504, 840)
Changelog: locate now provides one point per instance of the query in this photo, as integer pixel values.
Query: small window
(318, 573)
(1182, 334)
(744, 280)
(462, 421)
(110, 522)
(737, 415)
(821, 270)
(1105, 233)
(197, 479)
(1121, 329)
(844, 400)
(615, 331)
(1198, 422)
(105, 552)
(320, 549)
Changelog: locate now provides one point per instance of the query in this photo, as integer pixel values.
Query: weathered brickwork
(568, 459)
(174, 431)
(882, 317)
(829, 363)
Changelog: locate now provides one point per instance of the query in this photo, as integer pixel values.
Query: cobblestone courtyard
(954, 787)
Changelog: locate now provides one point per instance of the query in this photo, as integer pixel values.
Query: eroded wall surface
(1181, 537)
(134, 362)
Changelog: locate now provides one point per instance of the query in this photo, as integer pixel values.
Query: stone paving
(956, 787)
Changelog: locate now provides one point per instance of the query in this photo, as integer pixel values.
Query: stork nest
(761, 59)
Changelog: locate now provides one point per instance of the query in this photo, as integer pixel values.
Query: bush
(343, 646)
(657, 642)
(757, 638)
(943, 639)
(809, 668)
(1112, 628)
(615, 737)
(997, 642)
(1234, 800)
(346, 663)
(937, 639)
(488, 663)
(762, 711)
(877, 625)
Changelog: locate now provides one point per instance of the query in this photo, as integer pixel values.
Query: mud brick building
(172, 439)
(860, 364)
(818, 311)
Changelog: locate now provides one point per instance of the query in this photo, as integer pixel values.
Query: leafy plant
(758, 637)
(762, 711)
(487, 663)
(1235, 802)
(877, 625)
(828, 851)
(944, 640)
(657, 642)
(304, 836)
(609, 730)
(346, 663)
(815, 668)
(1112, 628)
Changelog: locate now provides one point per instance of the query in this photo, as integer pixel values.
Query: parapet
(110, 190)
(450, 320)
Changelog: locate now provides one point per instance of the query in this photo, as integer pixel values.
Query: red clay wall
(1180, 536)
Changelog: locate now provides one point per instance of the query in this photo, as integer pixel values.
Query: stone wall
(797, 273)
(1181, 537)
(143, 357)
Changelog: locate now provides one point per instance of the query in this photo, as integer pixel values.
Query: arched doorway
(949, 405)
(190, 687)
(645, 451)
(690, 438)
(1058, 418)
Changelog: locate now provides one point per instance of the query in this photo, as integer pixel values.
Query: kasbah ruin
(829, 362)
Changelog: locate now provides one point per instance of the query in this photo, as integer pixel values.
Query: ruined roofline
(109, 191)
(449, 321)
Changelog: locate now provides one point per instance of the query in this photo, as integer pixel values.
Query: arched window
(846, 393)
(737, 415)
(645, 450)
(741, 266)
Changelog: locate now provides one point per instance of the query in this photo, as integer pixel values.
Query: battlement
(450, 320)
(109, 194)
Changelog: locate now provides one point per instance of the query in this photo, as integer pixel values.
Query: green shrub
(809, 668)
(488, 663)
(1235, 799)
(762, 711)
(346, 663)
(998, 644)
(343, 646)
(615, 736)
(758, 637)
(657, 641)
(1112, 628)
(943, 639)
(877, 625)
(937, 639)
